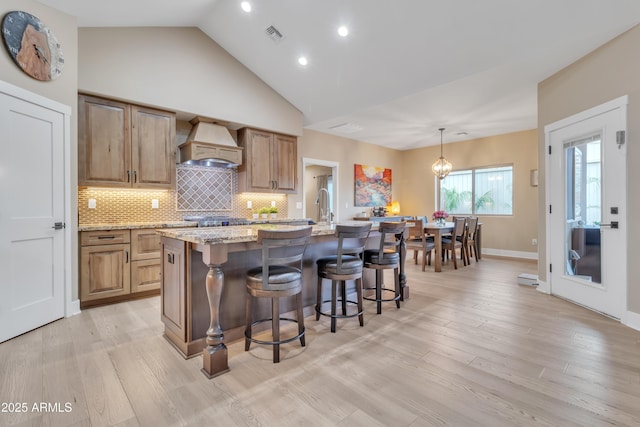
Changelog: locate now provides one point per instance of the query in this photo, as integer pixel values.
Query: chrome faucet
(328, 216)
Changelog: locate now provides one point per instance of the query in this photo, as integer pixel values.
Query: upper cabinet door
(284, 163)
(153, 155)
(104, 142)
(271, 162)
(258, 155)
(122, 145)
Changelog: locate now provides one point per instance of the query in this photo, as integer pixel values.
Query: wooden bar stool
(346, 265)
(387, 256)
(280, 275)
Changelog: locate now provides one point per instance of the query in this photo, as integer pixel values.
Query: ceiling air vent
(274, 34)
(347, 128)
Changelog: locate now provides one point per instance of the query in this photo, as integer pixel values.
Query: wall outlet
(534, 242)
(155, 204)
(298, 205)
(92, 203)
(249, 204)
(273, 203)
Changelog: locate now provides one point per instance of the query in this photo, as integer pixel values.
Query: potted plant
(255, 213)
(274, 212)
(264, 212)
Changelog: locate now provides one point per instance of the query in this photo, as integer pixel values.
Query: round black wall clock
(32, 45)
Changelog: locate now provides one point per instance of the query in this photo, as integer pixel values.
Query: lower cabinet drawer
(145, 275)
(106, 237)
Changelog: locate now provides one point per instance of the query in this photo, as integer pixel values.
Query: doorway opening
(320, 183)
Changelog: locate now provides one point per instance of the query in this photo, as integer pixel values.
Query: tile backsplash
(199, 191)
(200, 188)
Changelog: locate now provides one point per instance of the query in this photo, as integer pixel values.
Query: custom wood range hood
(210, 144)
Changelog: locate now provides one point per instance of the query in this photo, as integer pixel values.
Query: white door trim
(620, 102)
(71, 307)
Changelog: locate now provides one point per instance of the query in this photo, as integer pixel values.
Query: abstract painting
(372, 186)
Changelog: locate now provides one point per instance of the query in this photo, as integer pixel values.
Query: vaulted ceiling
(406, 68)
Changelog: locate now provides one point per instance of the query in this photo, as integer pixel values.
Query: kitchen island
(204, 284)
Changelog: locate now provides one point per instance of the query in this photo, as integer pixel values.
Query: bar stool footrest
(395, 298)
(339, 316)
(283, 341)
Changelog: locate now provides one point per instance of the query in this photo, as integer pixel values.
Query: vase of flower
(440, 217)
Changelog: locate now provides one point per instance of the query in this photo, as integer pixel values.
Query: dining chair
(470, 239)
(455, 241)
(445, 254)
(418, 241)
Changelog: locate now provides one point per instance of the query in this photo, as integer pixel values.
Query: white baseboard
(632, 320)
(543, 287)
(73, 308)
(510, 254)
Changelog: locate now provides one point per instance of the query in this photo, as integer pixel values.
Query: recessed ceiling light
(343, 31)
(303, 60)
(246, 6)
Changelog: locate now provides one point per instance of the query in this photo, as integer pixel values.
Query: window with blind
(478, 191)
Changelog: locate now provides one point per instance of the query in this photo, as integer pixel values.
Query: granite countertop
(136, 225)
(278, 220)
(240, 233)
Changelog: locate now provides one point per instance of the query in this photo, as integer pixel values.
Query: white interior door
(32, 251)
(587, 196)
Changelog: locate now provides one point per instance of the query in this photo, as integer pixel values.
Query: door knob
(58, 226)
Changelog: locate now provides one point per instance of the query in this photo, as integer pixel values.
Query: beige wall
(607, 73)
(182, 70)
(411, 171)
(501, 234)
(347, 152)
(62, 90)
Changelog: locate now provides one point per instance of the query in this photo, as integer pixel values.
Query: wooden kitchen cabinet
(123, 145)
(174, 293)
(271, 162)
(153, 150)
(146, 270)
(116, 265)
(105, 267)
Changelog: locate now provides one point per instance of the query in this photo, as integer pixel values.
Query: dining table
(438, 230)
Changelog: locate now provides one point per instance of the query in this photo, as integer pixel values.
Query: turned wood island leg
(214, 356)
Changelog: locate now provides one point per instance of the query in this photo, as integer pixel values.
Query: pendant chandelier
(441, 167)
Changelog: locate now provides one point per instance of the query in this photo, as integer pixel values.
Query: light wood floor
(469, 348)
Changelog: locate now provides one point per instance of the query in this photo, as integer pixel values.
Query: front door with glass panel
(587, 195)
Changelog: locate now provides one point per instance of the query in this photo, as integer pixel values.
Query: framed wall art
(372, 185)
